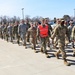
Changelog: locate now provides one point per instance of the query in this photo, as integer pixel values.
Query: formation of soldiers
(58, 35)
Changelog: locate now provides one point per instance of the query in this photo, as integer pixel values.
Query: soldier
(5, 28)
(7, 31)
(50, 30)
(28, 34)
(2, 30)
(10, 31)
(60, 32)
(58, 22)
(32, 31)
(15, 31)
(73, 38)
(42, 31)
(22, 32)
(66, 38)
(70, 31)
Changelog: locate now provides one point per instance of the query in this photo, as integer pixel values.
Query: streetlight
(23, 13)
(74, 13)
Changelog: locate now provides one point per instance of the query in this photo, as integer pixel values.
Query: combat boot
(55, 47)
(35, 51)
(41, 50)
(73, 54)
(18, 42)
(7, 39)
(46, 54)
(57, 54)
(66, 63)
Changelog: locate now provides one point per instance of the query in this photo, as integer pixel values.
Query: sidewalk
(16, 60)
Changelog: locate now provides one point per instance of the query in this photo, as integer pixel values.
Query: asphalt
(16, 60)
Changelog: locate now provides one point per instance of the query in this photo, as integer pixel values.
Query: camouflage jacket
(60, 32)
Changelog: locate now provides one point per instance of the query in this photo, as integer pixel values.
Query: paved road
(16, 60)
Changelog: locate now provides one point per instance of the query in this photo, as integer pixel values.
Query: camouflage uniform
(70, 31)
(2, 31)
(49, 32)
(5, 28)
(60, 32)
(28, 34)
(10, 32)
(32, 32)
(73, 38)
(55, 41)
(15, 32)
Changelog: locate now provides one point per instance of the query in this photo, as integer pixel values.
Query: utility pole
(74, 13)
(23, 13)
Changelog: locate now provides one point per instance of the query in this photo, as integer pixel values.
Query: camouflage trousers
(28, 36)
(62, 49)
(44, 40)
(23, 38)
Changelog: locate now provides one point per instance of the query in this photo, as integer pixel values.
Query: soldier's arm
(67, 33)
(38, 33)
(50, 27)
(19, 29)
(72, 34)
(55, 32)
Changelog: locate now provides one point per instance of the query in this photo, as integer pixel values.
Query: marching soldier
(22, 32)
(28, 34)
(32, 31)
(60, 32)
(58, 22)
(10, 31)
(2, 30)
(15, 31)
(7, 35)
(70, 31)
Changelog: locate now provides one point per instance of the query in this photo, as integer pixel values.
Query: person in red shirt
(42, 31)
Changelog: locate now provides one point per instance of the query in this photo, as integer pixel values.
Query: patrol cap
(62, 20)
(71, 22)
(42, 19)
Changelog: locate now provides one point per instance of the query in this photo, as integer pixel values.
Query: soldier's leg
(18, 39)
(7, 37)
(34, 43)
(11, 35)
(73, 48)
(4, 35)
(64, 55)
(1, 35)
(45, 50)
(55, 43)
(74, 52)
(72, 44)
(42, 43)
(57, 53)
(48, 42)
(24, 42)
(28, 36)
